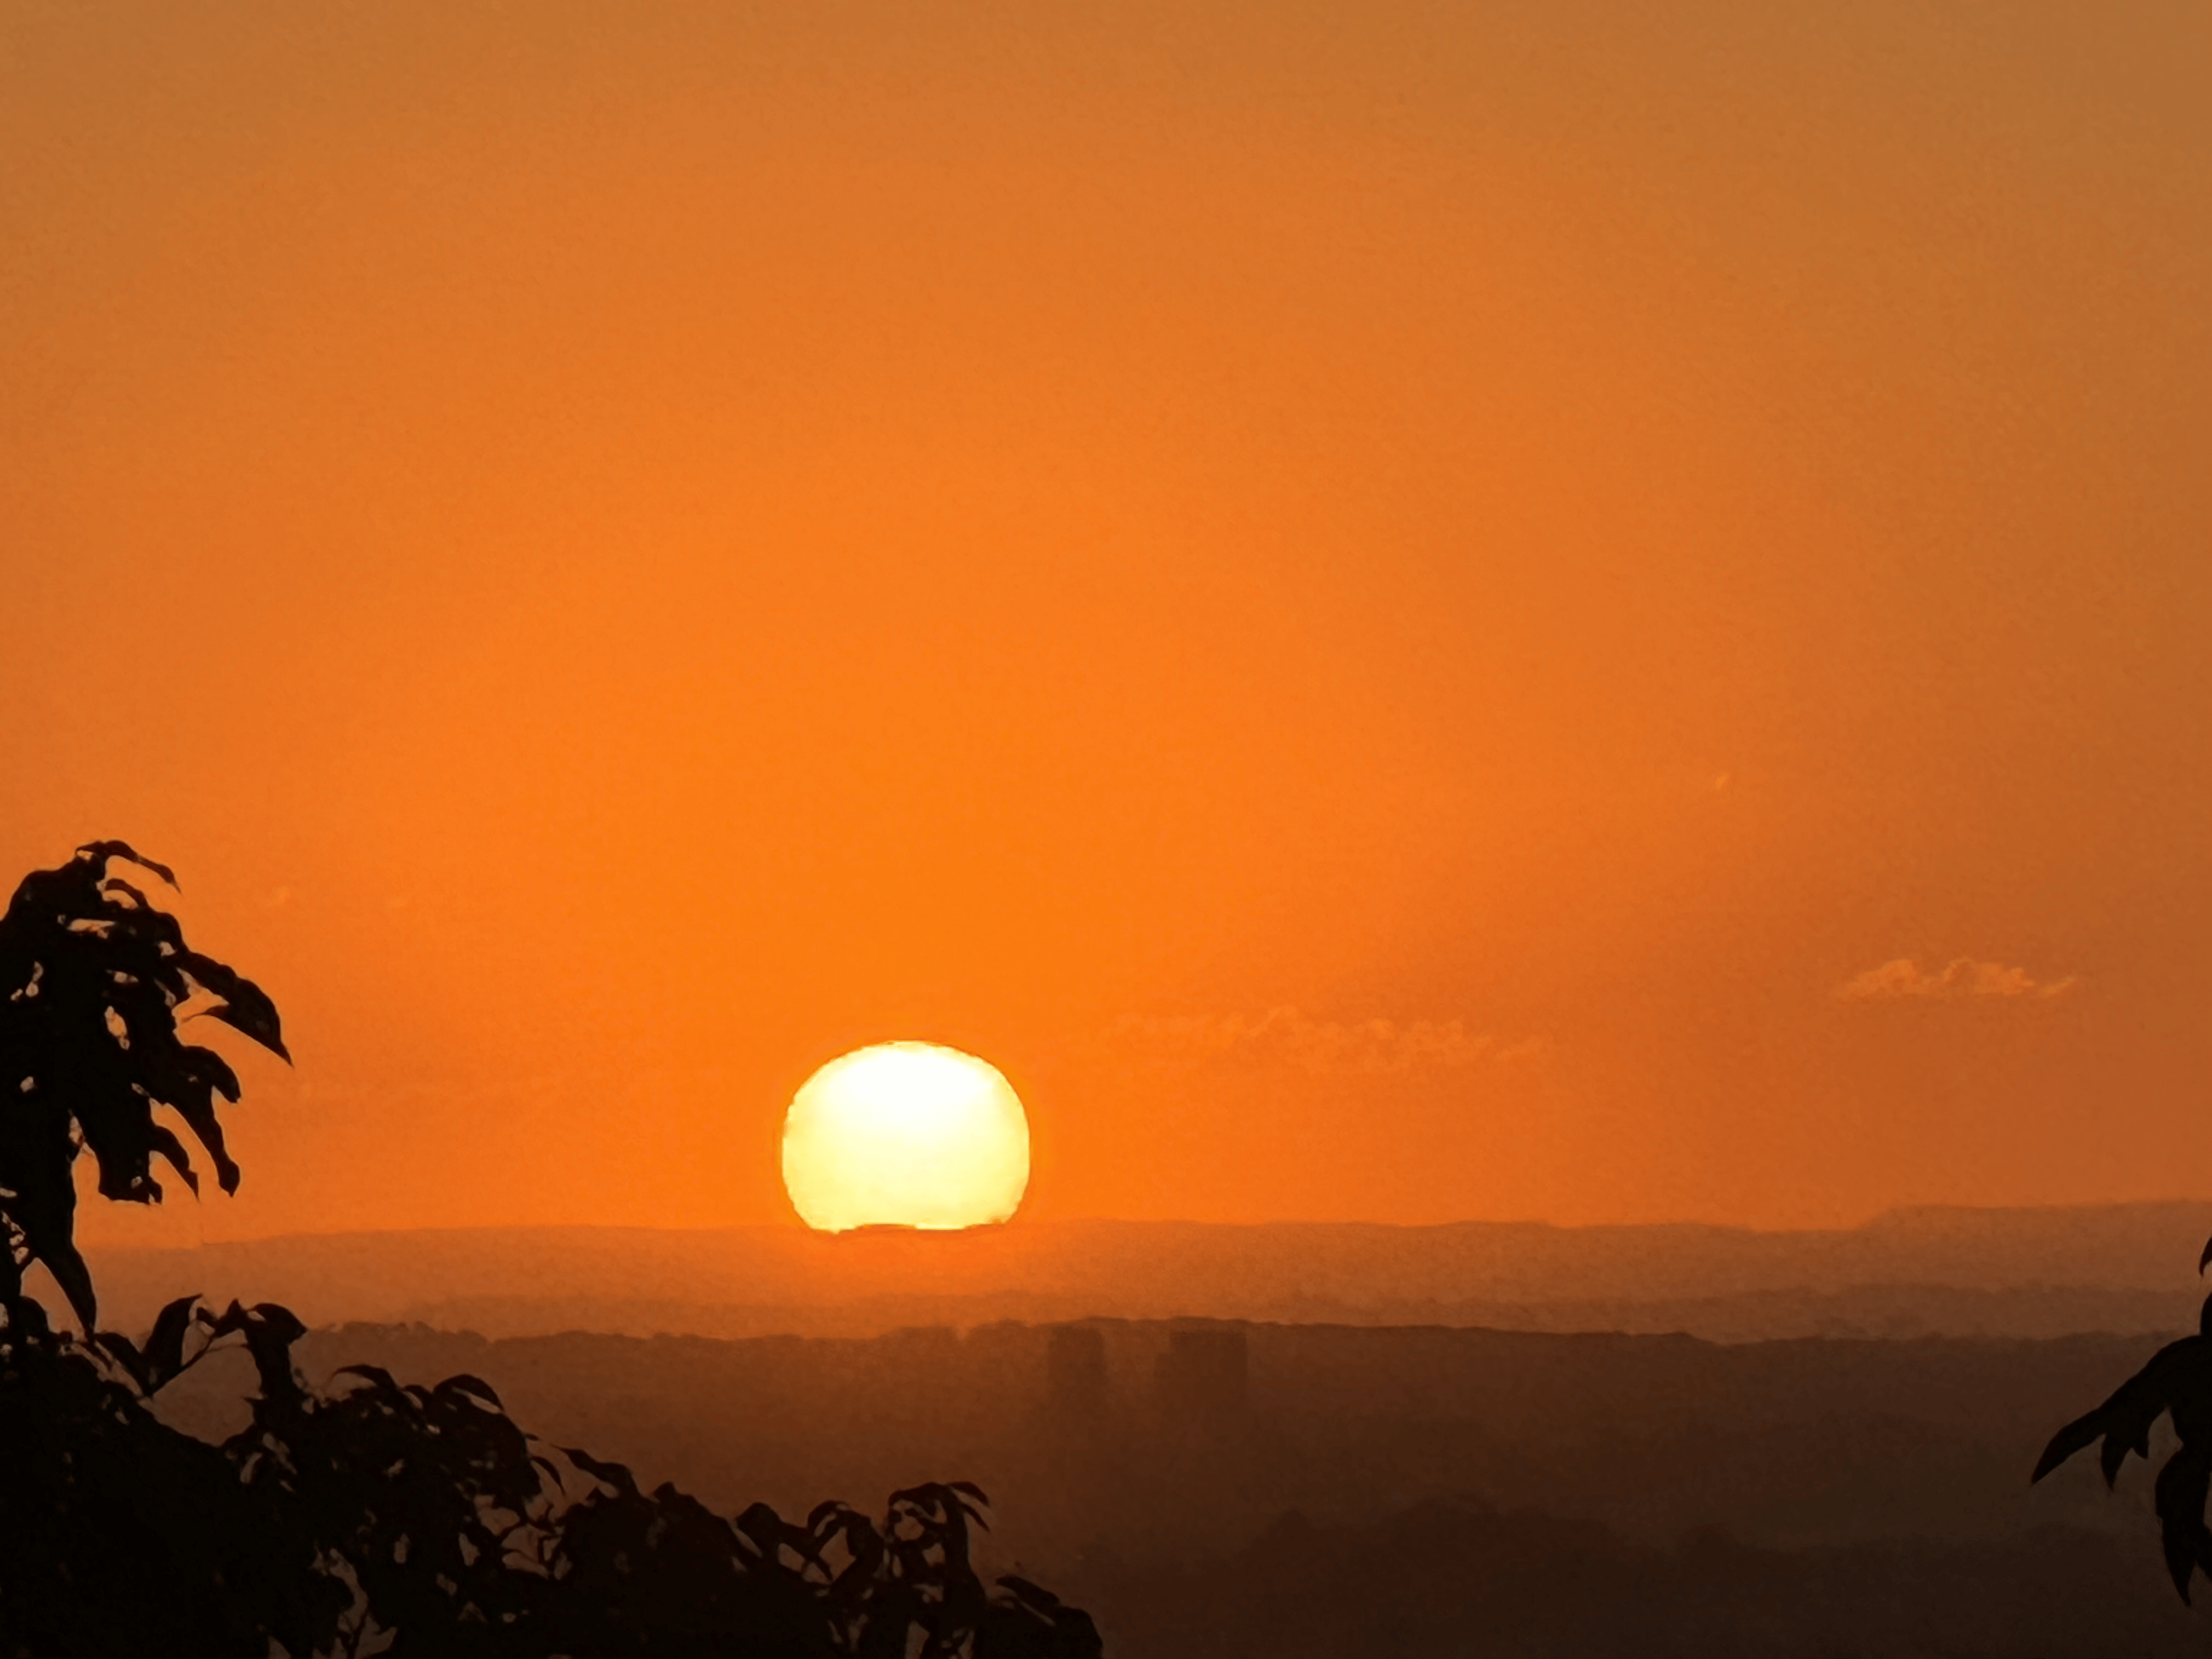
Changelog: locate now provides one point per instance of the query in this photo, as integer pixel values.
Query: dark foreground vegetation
(1444, 1580)
(379, 1516)
(371, 1516)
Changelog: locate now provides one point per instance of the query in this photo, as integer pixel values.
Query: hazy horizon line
(794, 1228)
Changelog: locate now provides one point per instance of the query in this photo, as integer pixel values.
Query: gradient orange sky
(1401, 611)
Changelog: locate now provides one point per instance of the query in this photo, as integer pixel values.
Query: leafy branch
(93, 978)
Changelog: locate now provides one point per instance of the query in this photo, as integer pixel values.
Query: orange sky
(625, 548)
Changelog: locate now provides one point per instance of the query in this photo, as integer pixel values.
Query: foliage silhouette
(372, 1516)
(93, 976)
(2176, 1384)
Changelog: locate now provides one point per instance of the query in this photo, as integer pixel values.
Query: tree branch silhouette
(2176, 1384)
(372, 1516)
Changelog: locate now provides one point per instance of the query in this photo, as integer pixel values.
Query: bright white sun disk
(906, 1134)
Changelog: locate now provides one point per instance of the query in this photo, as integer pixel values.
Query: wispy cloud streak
(1286, 1035)
(1905, 980)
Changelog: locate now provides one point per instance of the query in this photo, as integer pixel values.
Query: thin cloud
(1286, 1036)
(1961, 978)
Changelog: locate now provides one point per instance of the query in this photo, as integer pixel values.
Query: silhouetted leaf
(165, 1345)
(112, 886)
(244, 1005)
(1030, 1595)
(98, 851)
(63, 1261)
(2081, 1433)
(764, 1528)
(2179, 1502)
(172, 1150)
(615, 1475)
(184, 1073)
(475, 1387)
(198, 1114)
(125, 1353)
(270, 1331)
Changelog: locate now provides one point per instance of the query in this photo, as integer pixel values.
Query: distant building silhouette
(1075, 1372)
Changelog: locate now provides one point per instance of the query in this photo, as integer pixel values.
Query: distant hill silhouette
(1164, 1441)
(2012, 1272)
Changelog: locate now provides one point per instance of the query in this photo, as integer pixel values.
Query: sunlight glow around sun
(905, 1134)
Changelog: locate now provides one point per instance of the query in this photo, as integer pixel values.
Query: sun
(905, 1134)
